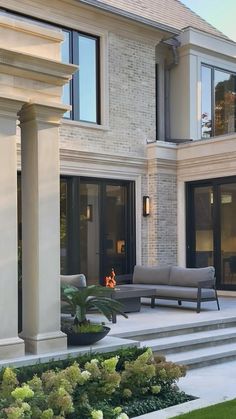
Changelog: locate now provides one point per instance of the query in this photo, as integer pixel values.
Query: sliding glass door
(97, 227)
(211, 228)
(227, 205)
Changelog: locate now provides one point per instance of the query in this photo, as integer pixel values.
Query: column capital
(11, 105)
(46, 112)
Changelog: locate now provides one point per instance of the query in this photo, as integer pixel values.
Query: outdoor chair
(78, 280)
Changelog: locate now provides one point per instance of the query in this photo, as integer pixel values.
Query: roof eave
(131, 16)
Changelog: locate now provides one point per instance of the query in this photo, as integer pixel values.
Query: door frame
(73, 182)
(190, 227)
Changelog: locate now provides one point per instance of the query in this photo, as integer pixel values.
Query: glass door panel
(228, 233)
(203, 222)
(97, 227)
(115, 229)
(90, 231)
(64, 225)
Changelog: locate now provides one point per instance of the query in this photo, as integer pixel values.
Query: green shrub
(27, 372)
(109, 387)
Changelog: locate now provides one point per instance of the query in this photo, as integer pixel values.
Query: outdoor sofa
(175, 283)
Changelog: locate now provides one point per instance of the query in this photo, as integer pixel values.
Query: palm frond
(82, 299)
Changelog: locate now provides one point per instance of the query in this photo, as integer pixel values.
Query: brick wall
(131, 71)
(163, 219)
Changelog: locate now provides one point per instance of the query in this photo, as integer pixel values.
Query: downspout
(173, 44)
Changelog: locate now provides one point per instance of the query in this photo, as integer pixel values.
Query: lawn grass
(226, 410)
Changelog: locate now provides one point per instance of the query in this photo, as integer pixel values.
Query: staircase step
(192, 340)
(205, 356)
(178, 329)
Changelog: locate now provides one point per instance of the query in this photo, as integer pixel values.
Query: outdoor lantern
(146, 206)
(89, 212)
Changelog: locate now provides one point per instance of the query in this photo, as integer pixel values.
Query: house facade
(122, 101)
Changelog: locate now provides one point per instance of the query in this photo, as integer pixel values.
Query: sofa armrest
(210, 283)
(124, 279)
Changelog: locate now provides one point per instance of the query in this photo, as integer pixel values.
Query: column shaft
(10, 344)
(41, 230)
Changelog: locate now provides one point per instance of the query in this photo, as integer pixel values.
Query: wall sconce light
(89, 212)
(146, 206)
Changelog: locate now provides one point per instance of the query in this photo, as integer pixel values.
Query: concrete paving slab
(212, 385)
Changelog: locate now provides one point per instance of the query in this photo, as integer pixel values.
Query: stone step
(204, 356)
(178, 329)
(108, 344)
(191, 341)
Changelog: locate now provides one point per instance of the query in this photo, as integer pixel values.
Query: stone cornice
(78, 156)
(75, 162)
(10, 105)
(160, 165)
(198, 159)
(35, 68)
(208, 166)
(162, 157)
(29, 27)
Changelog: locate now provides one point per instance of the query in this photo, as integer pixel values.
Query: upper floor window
(218, 102)
(83, 93)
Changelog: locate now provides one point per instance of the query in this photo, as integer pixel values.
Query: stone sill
(87, 125)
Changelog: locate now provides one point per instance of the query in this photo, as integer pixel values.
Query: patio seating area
(167, 320)
(168, 313)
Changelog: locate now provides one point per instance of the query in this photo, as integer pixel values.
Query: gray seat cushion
(78, 280)
(151, 275)
(190, 277)
(177, 292)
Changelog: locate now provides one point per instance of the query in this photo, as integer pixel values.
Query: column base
(46, 343)
(11, 348)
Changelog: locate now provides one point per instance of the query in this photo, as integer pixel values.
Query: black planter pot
(77, 339)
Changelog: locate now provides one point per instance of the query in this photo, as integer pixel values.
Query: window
(83, 93)
(218, 102)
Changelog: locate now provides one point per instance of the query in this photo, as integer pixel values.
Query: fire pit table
(130, 297)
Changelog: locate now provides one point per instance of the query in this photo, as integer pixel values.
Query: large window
(211, 228)
(83, 92)
(218, 102)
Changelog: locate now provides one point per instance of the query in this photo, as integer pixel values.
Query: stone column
(10, 344)
(41, 228)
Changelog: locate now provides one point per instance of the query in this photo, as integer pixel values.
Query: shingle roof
(171, 13)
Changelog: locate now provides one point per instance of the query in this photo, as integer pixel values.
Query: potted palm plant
(81, 331)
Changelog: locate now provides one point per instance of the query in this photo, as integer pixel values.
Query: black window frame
(213, 69)
(216, 183)
(73, 205)
(73, 60)
(74, 56)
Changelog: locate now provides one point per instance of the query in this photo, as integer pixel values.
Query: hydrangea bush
(99, 390)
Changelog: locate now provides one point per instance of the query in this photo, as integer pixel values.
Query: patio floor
(169, 314)
(164, 315)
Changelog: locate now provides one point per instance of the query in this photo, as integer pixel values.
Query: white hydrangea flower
(97, 414)
(86, 375)
(122, 416)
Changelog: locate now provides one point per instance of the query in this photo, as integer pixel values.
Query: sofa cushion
(78, 280)
(151, 275)
(166, 291)
(190, 277)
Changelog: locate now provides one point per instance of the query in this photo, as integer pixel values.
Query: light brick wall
(131, 68)
(162, 240)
